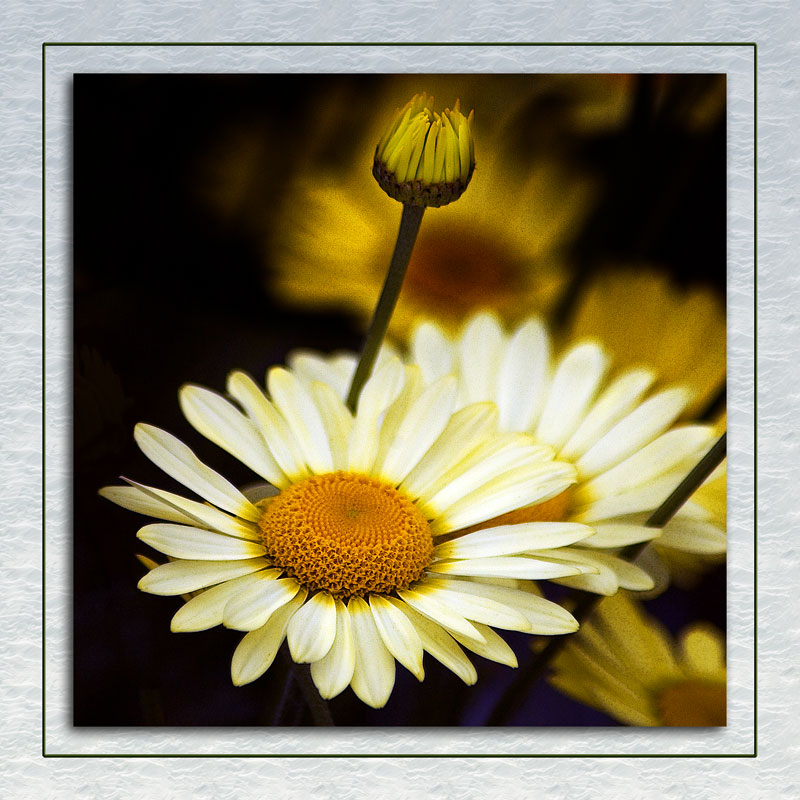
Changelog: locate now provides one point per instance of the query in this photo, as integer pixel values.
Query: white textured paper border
(25, 25)
(737, 62)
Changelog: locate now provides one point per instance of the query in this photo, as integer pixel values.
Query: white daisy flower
(617, 433)
(375, 548)
(620, 436)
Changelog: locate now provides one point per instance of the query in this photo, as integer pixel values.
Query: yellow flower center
(459, 271)
(553, 510)
(693, 703)
(347, 534)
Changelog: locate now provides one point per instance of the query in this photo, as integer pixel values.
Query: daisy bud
(425, 158)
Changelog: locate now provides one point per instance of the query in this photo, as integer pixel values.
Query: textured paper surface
(25, 773)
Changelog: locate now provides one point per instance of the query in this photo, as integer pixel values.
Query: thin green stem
(587, 602)
(409, 227)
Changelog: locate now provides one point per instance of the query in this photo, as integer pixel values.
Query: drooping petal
(257, 650)
(439, 643)
(332, 673)
(373, 675)
(398, 634)
(313, 629)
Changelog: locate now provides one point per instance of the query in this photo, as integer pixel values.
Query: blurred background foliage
(181, 190)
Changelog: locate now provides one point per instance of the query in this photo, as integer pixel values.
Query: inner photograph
(399, 400)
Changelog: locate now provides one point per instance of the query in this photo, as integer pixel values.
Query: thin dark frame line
(398, 44)
(44, 407)
(754, 45)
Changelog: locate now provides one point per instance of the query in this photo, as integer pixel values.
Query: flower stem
(409, 227)
(587, 601)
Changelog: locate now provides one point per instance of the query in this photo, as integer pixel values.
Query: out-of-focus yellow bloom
(425, 158)
(644, 319)
(499, 247)
(623, 662)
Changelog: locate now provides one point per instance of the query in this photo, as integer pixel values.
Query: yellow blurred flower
(500, 247)
(644, 319)
(623, 662)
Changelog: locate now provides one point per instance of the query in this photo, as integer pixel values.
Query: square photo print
(399, 400)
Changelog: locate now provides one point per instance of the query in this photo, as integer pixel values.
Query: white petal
(378, 394)
(313, 629)
(420, 600)
(439, 643)
(477, 608)
(611, 534)
(205, 609)
(504, 567)
(544, 616)
(524, 377)
(254, 605)
(398, 634)
(639, 428)
(477, 473)
(479, 352)
(507, 540)
(334, 371)
(575, 383)
(613, 573)
(464, 433)
(273, 427)
(178, 461)
(652, 461)
(220, 422)
(337, 419)
(303, 417)
(179, 577)
(392, 419)
(523, 486)
(373, 676)
(257, 650)
(333, 673)
(643, 498)
(619, 399)
(432, 352)
(492, 647)
(182, 541)
(174, 508)
(693, 536)
(421, 426)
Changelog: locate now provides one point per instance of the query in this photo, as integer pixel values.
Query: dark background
(169, 287)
